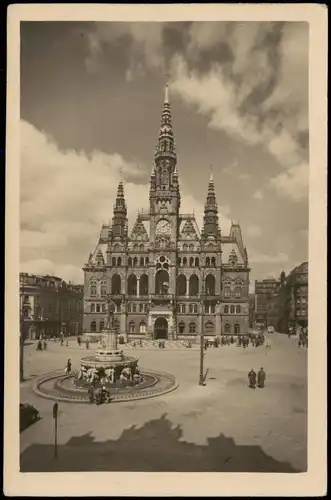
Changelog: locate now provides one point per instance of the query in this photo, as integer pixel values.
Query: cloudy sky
(91, 101)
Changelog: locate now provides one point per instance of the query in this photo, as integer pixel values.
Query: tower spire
(119, 222)
(165, 147)
(210, 219)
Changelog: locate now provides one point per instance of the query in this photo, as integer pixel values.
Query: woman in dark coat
(261, 376)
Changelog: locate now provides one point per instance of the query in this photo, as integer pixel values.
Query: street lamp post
(201, 374)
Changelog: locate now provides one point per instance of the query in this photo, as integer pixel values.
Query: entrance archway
(161, 329)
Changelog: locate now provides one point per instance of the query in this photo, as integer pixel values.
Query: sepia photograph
(163, 280)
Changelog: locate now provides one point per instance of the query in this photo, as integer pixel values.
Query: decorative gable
(139, 232)
(188, 230)
(233, 258)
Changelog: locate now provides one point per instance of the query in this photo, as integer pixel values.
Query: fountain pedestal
(109, 351)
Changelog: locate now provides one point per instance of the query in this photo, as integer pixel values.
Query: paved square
(224, 426)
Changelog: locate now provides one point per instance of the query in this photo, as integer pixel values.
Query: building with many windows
(49, 305)
(168, 278)
(266, 302)
(293, 299)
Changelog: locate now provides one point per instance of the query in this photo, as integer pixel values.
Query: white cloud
(260, 258)
(66, 196)
(253, 230)
(258, 195)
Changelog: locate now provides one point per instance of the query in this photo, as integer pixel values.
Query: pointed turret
(165, 147)
(119, 222)
(210, 219)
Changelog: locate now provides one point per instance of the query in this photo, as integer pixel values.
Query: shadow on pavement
(155, 447)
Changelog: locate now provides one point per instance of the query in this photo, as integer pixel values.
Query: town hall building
(167, 278)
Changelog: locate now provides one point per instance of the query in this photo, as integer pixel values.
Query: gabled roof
(139, 231)
(188, 229)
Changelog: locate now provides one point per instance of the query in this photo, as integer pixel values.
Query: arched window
(92, 308)
(103, 307)
(119, 261)
(185, 247)
(237, 328)
(141, 261)
(116, 284)
(93, 326)
(130, 261)
(192, 327)
(184, 261)
(132, 327)
(129, 307)
(232, 309)
(207, 262)
(238, 309)
(226, 309)
(113, 261)
(213, 262)
(181, 284)
(227, 289)
(147, 261)
(181, 327)
(212, 308)
(194, 285)
(135, 247)
(103, 288)
(98, 308)
(143, 284)
(135, 261)
(117, 248)
(141, 308)
(183, 308)
(132, 284)
(161, 282)
(195, 308)
(227, 328)
(142, 327)
(102, 325)
(210, 284)
(191, 261)
(237, 291)
(190, 308)
(191, 247)
(141, 248)
(134, 308)
(179, 261)
(93, 288)
(197, 262)
(209, 328)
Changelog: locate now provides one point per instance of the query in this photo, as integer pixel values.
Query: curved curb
(168, 386)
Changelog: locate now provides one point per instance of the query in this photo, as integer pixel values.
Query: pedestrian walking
(45, 344)
(261, 376)
(252, 379)
(68, 367)
(91, 394)
(87, 344)
(79, 341)
(39, 346)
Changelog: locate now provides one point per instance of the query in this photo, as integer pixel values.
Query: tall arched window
(213, 262)
(147, 261)
(103, 288)
(135, 261)
(130, 261)
(161, 282)
(181, 327)
(132, 327)
(98, 308)
(102, 325)
(232, 309)
(92, 308)
(194, 285)
(227, 328)
(143, 284)
(238, 308)
(142, 327)
(93, 288)
(132, 284)
(93, 326)
(212, 308)
(227, 288)
(119, 261)
(113, 261)
(191, 261)
(196, 262)
(116, 284)
(210, 284)
(207, 262)
(226, 309)
(209, 328)
(179, 261)
(181, 284)
(237, 291)
(190, 308)
(184, 261)
(237, 328)
(141, 261)
(192, 327)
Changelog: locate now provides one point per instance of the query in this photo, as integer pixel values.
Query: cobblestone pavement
(222, 426)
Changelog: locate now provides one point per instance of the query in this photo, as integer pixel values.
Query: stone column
(138, 287)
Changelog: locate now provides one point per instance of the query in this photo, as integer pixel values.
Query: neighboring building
(49, 305)
(158, 272)
(293, 299)
(266, 304)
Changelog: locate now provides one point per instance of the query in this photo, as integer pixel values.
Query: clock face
(163, 228)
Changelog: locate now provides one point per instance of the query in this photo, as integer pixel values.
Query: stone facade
(167, 278)
(49, 305)
(293, 299)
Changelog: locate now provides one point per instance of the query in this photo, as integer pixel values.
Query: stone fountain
(109, 365)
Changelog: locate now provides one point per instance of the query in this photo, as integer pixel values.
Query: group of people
(256, 380)
(42, 343)
(79, 342)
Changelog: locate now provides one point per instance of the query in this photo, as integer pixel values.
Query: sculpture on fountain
(109, 364)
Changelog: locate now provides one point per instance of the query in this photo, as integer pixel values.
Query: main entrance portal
(161, 328)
